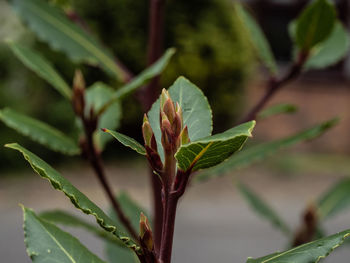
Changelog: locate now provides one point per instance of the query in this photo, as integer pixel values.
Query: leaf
(52, 26)
(67, 219)
(42, 67)
(39, 132)
(45, 242)
(331, 51)
(132, 210)
(127, 141)
(277, 109)
(96, 96)
(311, 252)
(261, 151)
(212, 150)
(336, 199)
(78, 199)
(196, 111)
(142, 79)
(262, 208)
(315, 24)
(257, 37)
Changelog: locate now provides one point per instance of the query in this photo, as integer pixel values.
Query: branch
(94, 158)
(148, 95)
(274, 85)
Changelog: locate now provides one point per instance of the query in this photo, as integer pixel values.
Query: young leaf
(315, 24)
(331, 51)
(118, 254)
(212, 150)
(96, 96)
(259, 152)
(78, 199)
(45, 242)
(334, 200)
(196, 111)
(41, 66)
(67, 219)
(39, 132)
(262, 208)
(257, 37)
(127, 141)
(311, 252)
(51, 25)
(277, 109)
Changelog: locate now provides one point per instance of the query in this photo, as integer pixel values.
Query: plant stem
(94, 158)
(169, 226)
(147, 96)
(274, 85)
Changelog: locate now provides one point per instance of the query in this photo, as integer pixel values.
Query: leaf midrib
(79, 39)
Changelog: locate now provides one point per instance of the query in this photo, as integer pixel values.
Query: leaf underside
(127, 141)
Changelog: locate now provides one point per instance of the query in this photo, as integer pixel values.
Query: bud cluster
(171, 126)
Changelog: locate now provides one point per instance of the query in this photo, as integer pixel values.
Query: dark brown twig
(274, 85)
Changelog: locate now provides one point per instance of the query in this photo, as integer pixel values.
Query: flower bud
(78, 93)
(184, 137)
(146, 237)
(179, 111)
(163, 97)
(169, 109)
(147, 131)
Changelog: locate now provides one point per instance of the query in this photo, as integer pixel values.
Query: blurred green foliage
(211, 51)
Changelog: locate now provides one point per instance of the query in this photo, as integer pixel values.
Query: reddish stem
(274, 85)
(94, 158)
(148, 95)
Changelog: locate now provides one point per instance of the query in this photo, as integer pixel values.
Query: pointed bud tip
(145, 118)
(104, 129)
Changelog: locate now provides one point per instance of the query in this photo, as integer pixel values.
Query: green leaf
(127, 141)
(78, 199)
(67, 219)
(41, 66)
(143, 78)
(45, 242)
(335, 200)
(331, 51)
(262, 208)
(212, 150)
(96, 96)
(311, 252)
(117, 254)
(277, 109)
(257, 37)
(52, 25)
(261, 151)
(39, 132)
(315, 24)
(195, 107)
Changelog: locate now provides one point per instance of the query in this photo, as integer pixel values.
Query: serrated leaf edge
(110, 228)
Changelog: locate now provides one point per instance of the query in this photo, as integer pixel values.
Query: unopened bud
(169, 109)
(184, 137)
(147, 131)
(145, 233)
(78, 93)
(163, 97)
(178, 110)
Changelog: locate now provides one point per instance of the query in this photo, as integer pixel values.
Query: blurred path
(213, 225)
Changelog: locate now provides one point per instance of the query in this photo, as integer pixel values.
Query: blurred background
(214, 222)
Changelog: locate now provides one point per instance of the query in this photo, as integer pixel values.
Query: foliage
(177, 132)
